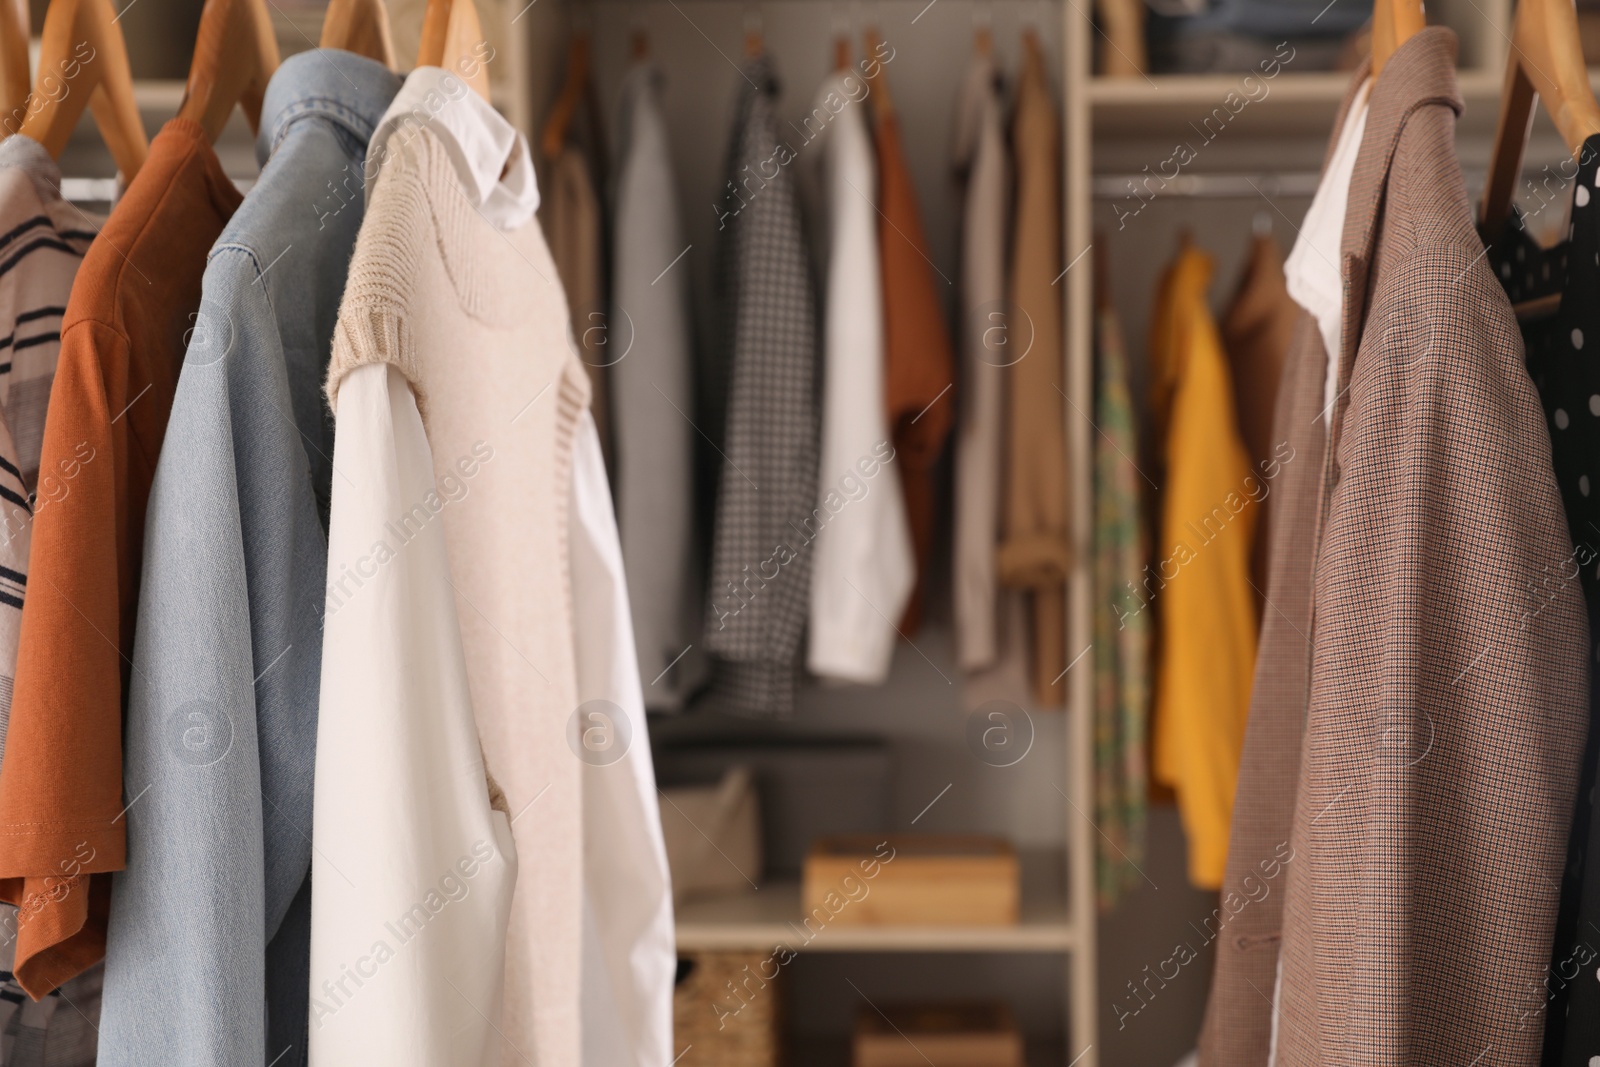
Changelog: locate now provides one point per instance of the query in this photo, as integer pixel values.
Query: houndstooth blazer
(1420, 700)
(765, 520)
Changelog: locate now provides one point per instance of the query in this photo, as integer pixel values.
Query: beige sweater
(473, 315)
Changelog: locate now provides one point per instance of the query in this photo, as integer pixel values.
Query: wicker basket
(726, 1012)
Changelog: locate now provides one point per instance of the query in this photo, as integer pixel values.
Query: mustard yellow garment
(1201, 577)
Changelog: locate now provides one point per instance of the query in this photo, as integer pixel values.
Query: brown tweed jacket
(1420, 697)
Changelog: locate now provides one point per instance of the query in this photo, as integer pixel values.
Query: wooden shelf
(1303, 104)
(1192, 89)
(770, 916)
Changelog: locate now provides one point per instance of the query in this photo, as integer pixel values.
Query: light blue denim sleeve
(220, 741)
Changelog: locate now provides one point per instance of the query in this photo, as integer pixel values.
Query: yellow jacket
(1200, 580)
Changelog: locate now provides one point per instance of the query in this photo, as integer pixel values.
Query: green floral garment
(1121, 629)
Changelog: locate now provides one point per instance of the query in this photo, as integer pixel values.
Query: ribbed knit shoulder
(417, 216)
(373, 324)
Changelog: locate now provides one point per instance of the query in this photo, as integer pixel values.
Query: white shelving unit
(772, 916)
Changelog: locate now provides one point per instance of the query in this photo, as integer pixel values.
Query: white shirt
(396, 667)
(862, 567)
(1313, 270)
(412, 872)
(630, 954)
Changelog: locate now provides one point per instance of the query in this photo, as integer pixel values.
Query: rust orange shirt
(135, 299)
(919, 365)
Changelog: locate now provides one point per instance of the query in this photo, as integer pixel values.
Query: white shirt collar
(1312, 272)
(490, 155)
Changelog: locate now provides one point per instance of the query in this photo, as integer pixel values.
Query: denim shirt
(207, 959)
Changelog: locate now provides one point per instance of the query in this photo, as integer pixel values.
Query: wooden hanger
(574, 89)
(882, 104)
(359, 26)
(15, 79)
(1393, 24)
(639, 46)
(451, 34)
(103, 83)
(841, 53)
(235, 53)
(1545, 62)
(983, 41)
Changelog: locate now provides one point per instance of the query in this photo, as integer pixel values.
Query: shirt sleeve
(630, 959)
(61, 794)
(220, 740)
(412, 868)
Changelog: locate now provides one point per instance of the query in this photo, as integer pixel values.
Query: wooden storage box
(949, 1035)
(899, 880)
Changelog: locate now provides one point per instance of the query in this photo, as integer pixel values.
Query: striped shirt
(42, 241)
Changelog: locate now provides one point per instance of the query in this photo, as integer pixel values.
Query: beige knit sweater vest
(476, 320)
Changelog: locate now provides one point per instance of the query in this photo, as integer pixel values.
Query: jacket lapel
(1420, 74)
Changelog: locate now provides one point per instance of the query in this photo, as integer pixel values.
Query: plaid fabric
(761, 558)
(1569, 385)
(1122, 628)
(1420, 702)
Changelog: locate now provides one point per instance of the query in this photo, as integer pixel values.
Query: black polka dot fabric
(1563, 353)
